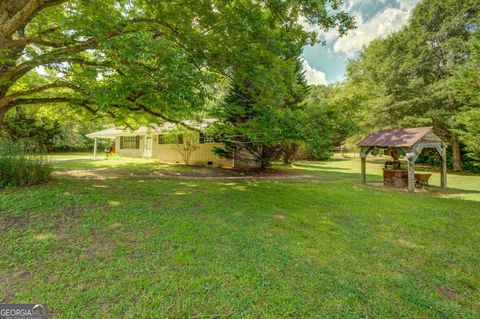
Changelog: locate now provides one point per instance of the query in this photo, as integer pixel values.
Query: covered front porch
(110, 134)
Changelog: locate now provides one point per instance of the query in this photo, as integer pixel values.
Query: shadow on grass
(300, 172)
(321, 167)
(438, 190)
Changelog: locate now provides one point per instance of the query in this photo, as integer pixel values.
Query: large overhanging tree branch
(21, 43)
(25, 67)
(141, 107)
(82, 103)
(49, 100)
(42, 88)
(20, 13)
(14, 16)
(62, 53)
(16, 60)
(18, 97)
(82, 37)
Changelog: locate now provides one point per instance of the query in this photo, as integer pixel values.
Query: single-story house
(167, 143)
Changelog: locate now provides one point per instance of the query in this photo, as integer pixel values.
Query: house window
(129, 142)
(170, 139)
(205, 139)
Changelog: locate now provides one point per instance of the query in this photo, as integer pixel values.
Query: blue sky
(374, 18)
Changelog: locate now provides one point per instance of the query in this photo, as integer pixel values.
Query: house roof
(108, 133)
(405, 137)
(142, 130)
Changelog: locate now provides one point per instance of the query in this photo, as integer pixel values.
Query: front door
(148, 146)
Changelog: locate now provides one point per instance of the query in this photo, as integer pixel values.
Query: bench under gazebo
(409, 143)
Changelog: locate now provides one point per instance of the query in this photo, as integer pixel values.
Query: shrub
(20, 166)
(469, 164)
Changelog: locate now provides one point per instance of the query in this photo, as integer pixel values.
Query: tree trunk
(457, 157)
(289, 153)
(3, 111)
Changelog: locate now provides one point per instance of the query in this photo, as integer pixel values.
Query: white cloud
(351, 3)
(313, 75)
(382, 24)
(407, 4)
(331, 34)
(393, 15)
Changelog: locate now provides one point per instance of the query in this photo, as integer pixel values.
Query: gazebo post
(443, 168)
(411, 158)
(363, 177)
(95, 148)
(411, 174)
(363, 157)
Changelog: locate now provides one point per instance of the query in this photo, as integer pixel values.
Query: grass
(320, 246)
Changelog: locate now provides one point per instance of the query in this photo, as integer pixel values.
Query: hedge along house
(408, 142)
(169, 143)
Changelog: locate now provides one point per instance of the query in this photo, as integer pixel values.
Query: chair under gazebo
(407, 142)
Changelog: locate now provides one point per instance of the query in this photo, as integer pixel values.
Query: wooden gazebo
(408, 142)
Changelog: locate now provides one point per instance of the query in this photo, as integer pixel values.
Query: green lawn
(110, 245)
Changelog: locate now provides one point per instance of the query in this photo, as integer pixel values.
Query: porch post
(95, 148)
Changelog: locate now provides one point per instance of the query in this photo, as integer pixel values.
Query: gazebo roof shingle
(405, 137)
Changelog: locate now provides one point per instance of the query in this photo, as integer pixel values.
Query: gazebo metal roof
(405, 137)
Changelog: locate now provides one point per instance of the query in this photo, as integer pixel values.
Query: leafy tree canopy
(408, 78)
(467, 88)
(136, 60)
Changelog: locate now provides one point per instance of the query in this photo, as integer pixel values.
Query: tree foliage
(408, 78)
(310, 121)
(41, 133)
(50, 129)
(339, 107)
(260, 122)
(467, 88)
(141, 59)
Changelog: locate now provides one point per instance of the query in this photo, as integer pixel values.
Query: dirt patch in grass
(448, 293)
(83, 174)
(202, 174)
(66, 216)
(115, 225)
(9, 221)
(7, 280)
(19, 275)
